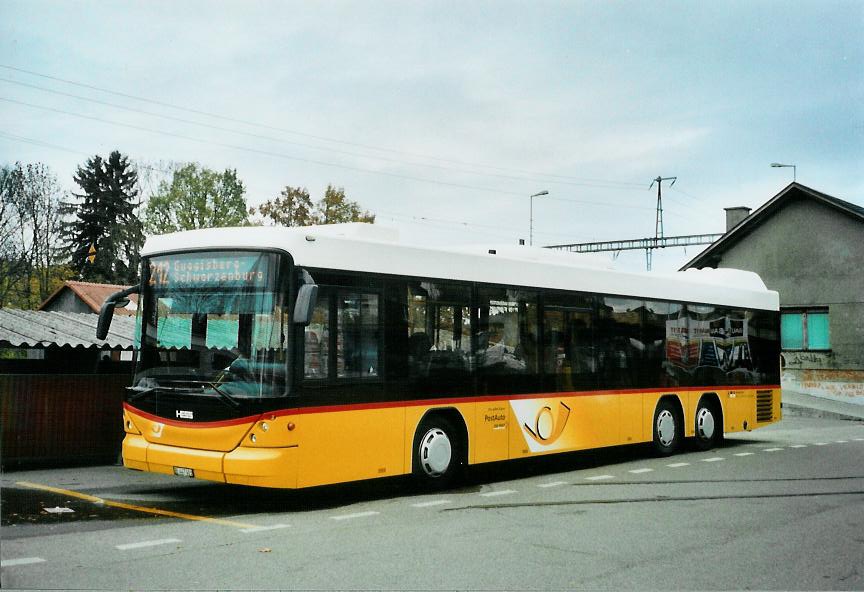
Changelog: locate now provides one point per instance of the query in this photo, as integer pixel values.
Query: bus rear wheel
(437, 453)
(709, 425)
(668, 428)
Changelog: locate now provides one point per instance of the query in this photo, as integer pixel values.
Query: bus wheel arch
(668, 425)
(708, 422)
(440, 448)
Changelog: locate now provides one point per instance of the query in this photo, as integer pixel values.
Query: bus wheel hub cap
(665, 428)
(705, 424)
(435, 452)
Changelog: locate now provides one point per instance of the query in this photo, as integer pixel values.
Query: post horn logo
(547, 428)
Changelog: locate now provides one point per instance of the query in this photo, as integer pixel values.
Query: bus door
(344, 432)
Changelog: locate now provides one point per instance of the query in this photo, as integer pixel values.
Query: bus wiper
(140, 391)
(225, 396)
(203, 384)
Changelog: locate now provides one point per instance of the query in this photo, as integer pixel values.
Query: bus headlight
(129, 426)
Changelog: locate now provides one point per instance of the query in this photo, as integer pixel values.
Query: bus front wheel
(668, 428)
(437, 452)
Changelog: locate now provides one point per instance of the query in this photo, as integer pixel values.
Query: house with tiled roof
(809, 246)
(75, 296)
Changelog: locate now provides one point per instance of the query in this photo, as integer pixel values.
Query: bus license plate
(183, 472)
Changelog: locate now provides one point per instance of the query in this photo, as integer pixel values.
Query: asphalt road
(780, 508)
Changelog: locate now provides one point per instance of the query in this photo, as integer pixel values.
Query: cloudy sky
(444, 117)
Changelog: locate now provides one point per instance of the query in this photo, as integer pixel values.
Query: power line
(42, 144)
(596, 184)
(262, 152)
(438, 223)
(564, 178)
(295, 158)
(385, 213)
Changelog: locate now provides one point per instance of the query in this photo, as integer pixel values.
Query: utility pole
(658, 218)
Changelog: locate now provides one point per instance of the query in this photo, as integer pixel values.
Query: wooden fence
(61, 419)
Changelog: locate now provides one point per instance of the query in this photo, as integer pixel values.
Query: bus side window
(439, 336)
(357, 342)
(620, 346)
(317, 339)
(569, 358)
(507, 353)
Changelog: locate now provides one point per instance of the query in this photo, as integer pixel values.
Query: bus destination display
(209, 270)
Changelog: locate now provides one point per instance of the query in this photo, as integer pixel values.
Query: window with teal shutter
(805, 330)
(792, 330)
(818, 335)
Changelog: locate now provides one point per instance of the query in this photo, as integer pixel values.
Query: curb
(792, 410)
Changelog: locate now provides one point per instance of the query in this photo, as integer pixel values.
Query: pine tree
(105, 220)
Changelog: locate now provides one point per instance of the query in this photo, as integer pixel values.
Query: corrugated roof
(94, 295)
(39, 328)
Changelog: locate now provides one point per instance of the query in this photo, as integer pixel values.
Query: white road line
(496, 493)
(679, 464)
(771, 449)
(264, 528)
(638, 471)
(859, 439)
(841, 441)
(142, 544)
(743, 454)
(552, 484)
(356, 515)
(713, 459)
(430, 504)
(798, 446)
(599, 477)
(22, 561)
(819, 443)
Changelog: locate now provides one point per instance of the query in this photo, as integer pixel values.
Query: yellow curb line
(121, 505)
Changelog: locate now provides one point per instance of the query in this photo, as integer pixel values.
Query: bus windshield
(213, 324)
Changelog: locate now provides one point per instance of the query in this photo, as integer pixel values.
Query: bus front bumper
(263, 467)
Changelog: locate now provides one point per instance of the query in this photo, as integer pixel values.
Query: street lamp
(777, 165)
(531, 217)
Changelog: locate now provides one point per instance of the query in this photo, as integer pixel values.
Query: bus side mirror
(106, 313)
(305, 305)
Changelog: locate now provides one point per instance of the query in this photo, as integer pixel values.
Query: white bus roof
(377, 249)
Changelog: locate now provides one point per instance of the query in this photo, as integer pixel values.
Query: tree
(335, 208)
(295, 208)
(105, 220)
(196, 197)
(30, 225)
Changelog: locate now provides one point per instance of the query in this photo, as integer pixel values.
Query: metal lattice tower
(658, 218)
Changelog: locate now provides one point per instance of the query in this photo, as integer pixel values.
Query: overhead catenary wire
(465, 224)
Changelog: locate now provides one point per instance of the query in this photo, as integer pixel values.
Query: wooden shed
(62, 390)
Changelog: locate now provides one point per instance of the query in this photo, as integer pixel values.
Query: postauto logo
(542, 422)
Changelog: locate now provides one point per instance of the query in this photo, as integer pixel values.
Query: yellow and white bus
(295, 357)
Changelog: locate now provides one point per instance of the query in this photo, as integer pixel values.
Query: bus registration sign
(184, 472)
